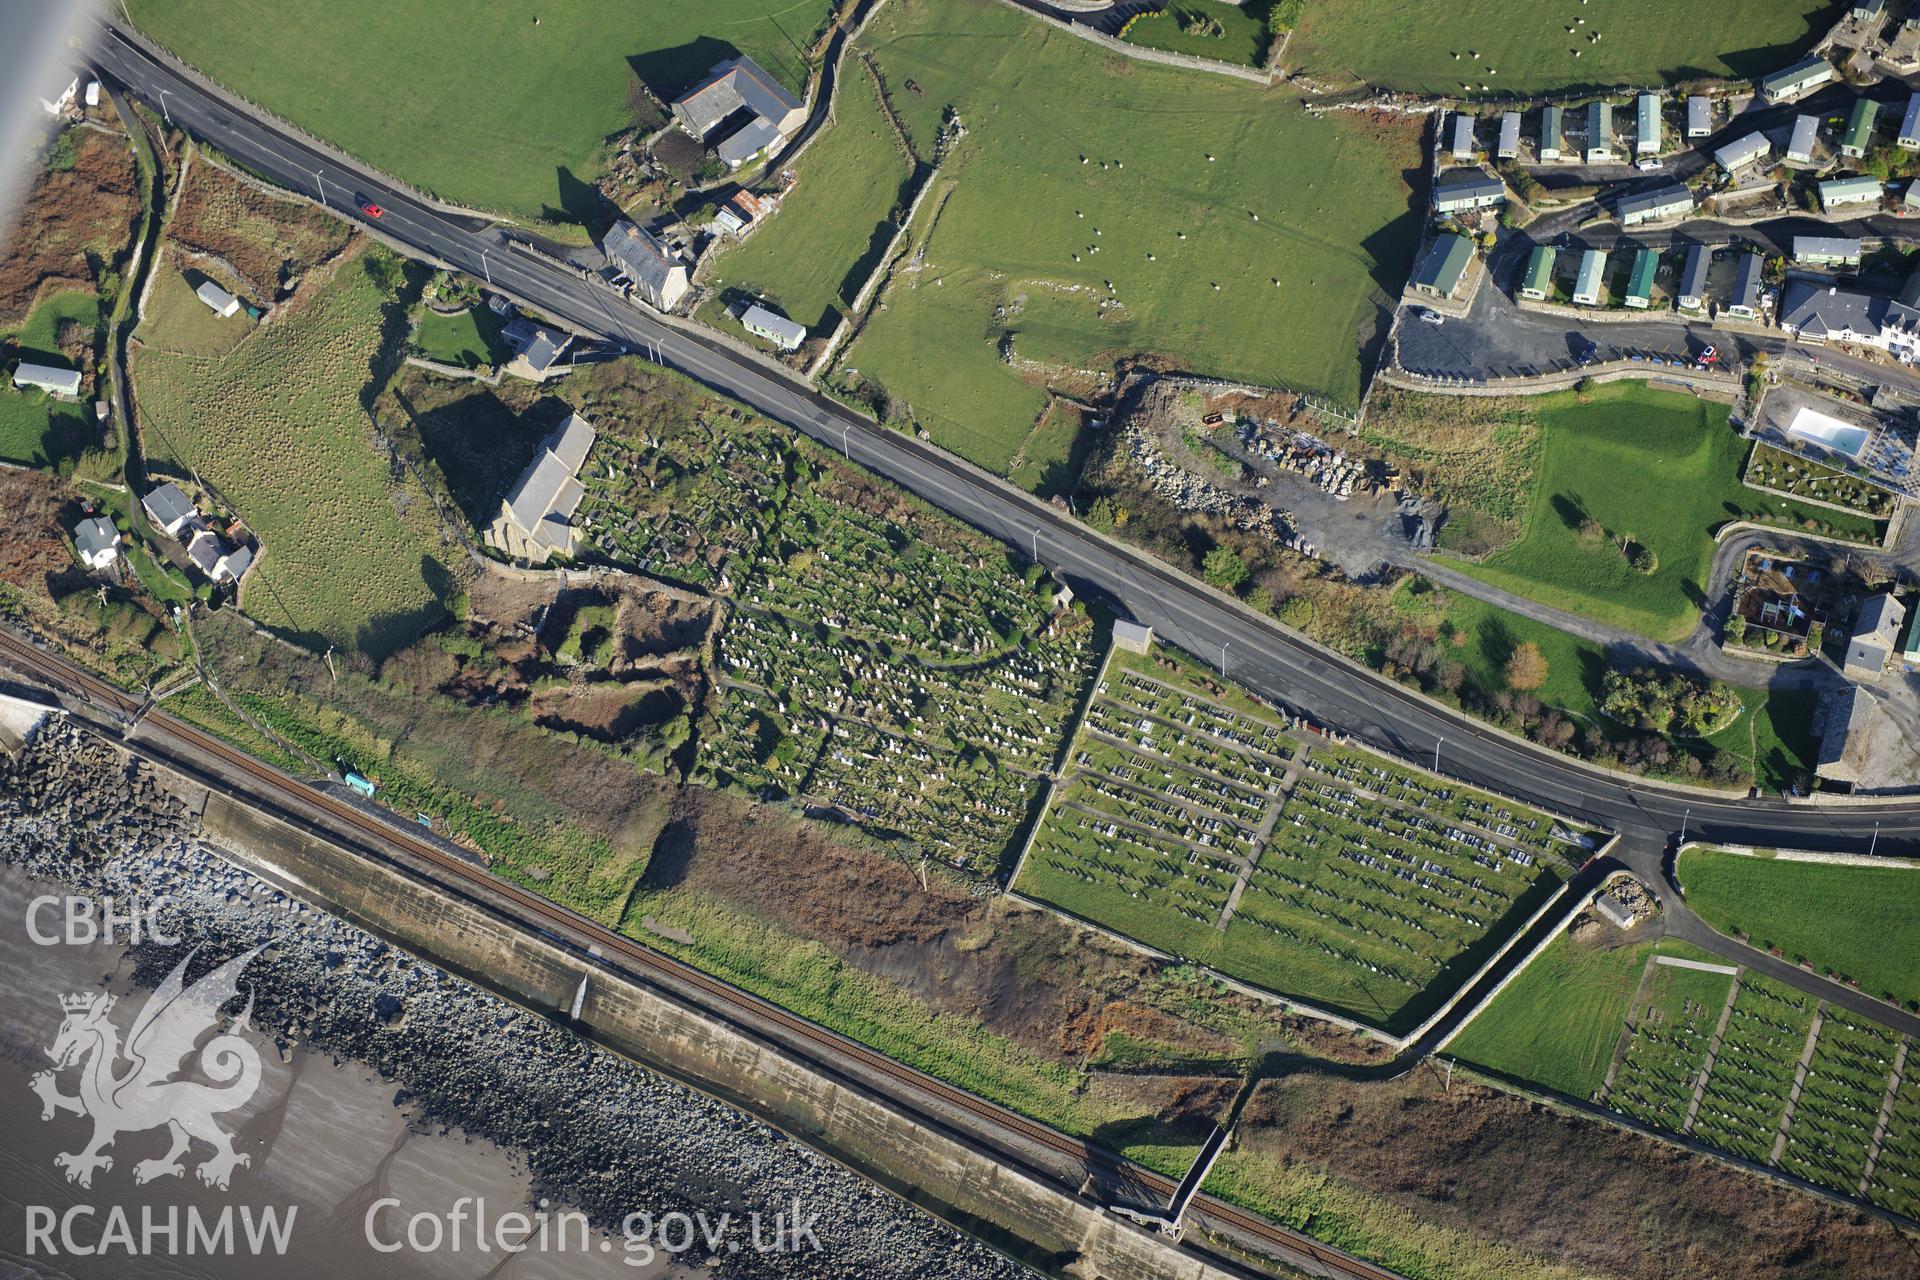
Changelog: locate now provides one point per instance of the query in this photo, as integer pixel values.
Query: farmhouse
(1509, 136)
(536, 517)
(1806, 130)
(1462, 189)
(1848, 718)
(774, 327)
(1796, 81)
(1668, 202)
(169, 509)
(1693, 278)
(740, 211)
(1699, 116)
(1593, 269)
(654, 271)
(1909, 136)
(536, 348)
(1839, 192)
(1746, 287)
(1599, 132)
(1539, 278)
(1442, 266)
(204, 550)
(97, 542)
(1826, 251)
(64, 383)
(1462, 138)
(218, 300)
(739, 104)
(1741, 152)
(1640, 283)
(1549, 133)
(1859, 135)
(1646, 137)
(1876, 632)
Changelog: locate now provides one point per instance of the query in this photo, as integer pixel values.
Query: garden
(1548, 45)
(1216, 29)
(36, 429)
(1794, 474)
(1190, 198)
(1637, 555)
(1203, 823)
(520, 104)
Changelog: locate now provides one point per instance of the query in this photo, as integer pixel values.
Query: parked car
(1432, 317)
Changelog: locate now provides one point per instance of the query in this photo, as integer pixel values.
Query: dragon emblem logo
(147, 1085)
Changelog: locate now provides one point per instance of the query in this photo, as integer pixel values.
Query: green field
(177, 321)
(283, 436)
(1318, 205)
(811, 259)
(1528, 46)
(1557, 1023)
(1660, 467)
(36, 429)
(495, 106)
(1242, 37)
(466, 340)
(1863, 922)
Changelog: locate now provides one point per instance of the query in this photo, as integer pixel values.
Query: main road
(1249, 647)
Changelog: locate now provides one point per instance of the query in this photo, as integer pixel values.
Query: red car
(371, 209)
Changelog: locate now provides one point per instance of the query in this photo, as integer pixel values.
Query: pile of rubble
(1191, 493)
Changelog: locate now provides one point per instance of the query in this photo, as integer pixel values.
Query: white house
(774, 327)
(58, 382)
(97, 541)
(219, 300)
(57, 89)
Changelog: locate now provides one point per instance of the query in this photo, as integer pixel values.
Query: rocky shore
(595, 1132)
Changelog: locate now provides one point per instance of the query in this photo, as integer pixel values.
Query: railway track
(93, 691)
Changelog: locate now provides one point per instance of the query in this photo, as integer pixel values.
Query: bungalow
(1459, 190)
(97, 541)
(1868, 10)
(221, 302)
(1640, 283)
(64, 383)
(774, 327)
(1859, 134)
(1693, 278)
(1839, 192)
(58, 85)
(1668, 202)
(1699, 116)
(1806, 130)
(1796, 81)
(169, 509)
(734, 89)
(1826, 251)
(1509, 136)
(1442, 266)
(1538, 282)
(1876, 632)
(536, 517)
(1462, 138)
(1746, 287)
(1741, 152)
(1599, 133)
(655, 272)
(1587, 286)
(536, 348)
(1909, 137)
(1549, 133)
(1646, 137)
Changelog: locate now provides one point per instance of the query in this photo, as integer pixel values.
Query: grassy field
(179, 323)
(1684, 462)
(1242, 37)
(1189, 195)
(1478, 456)
(487, 105)
(36, 429)
(282, 435)
(1863, 922)
(812, 258)
(1529, 48)
(1557, 1023)
(467, 339)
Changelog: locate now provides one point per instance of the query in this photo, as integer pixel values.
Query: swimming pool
(1828, 432)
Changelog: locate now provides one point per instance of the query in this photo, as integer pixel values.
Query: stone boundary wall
(1692, 380)
(1142, 54)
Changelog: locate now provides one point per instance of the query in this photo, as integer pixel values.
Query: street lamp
(484, 270)
(163, 107)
